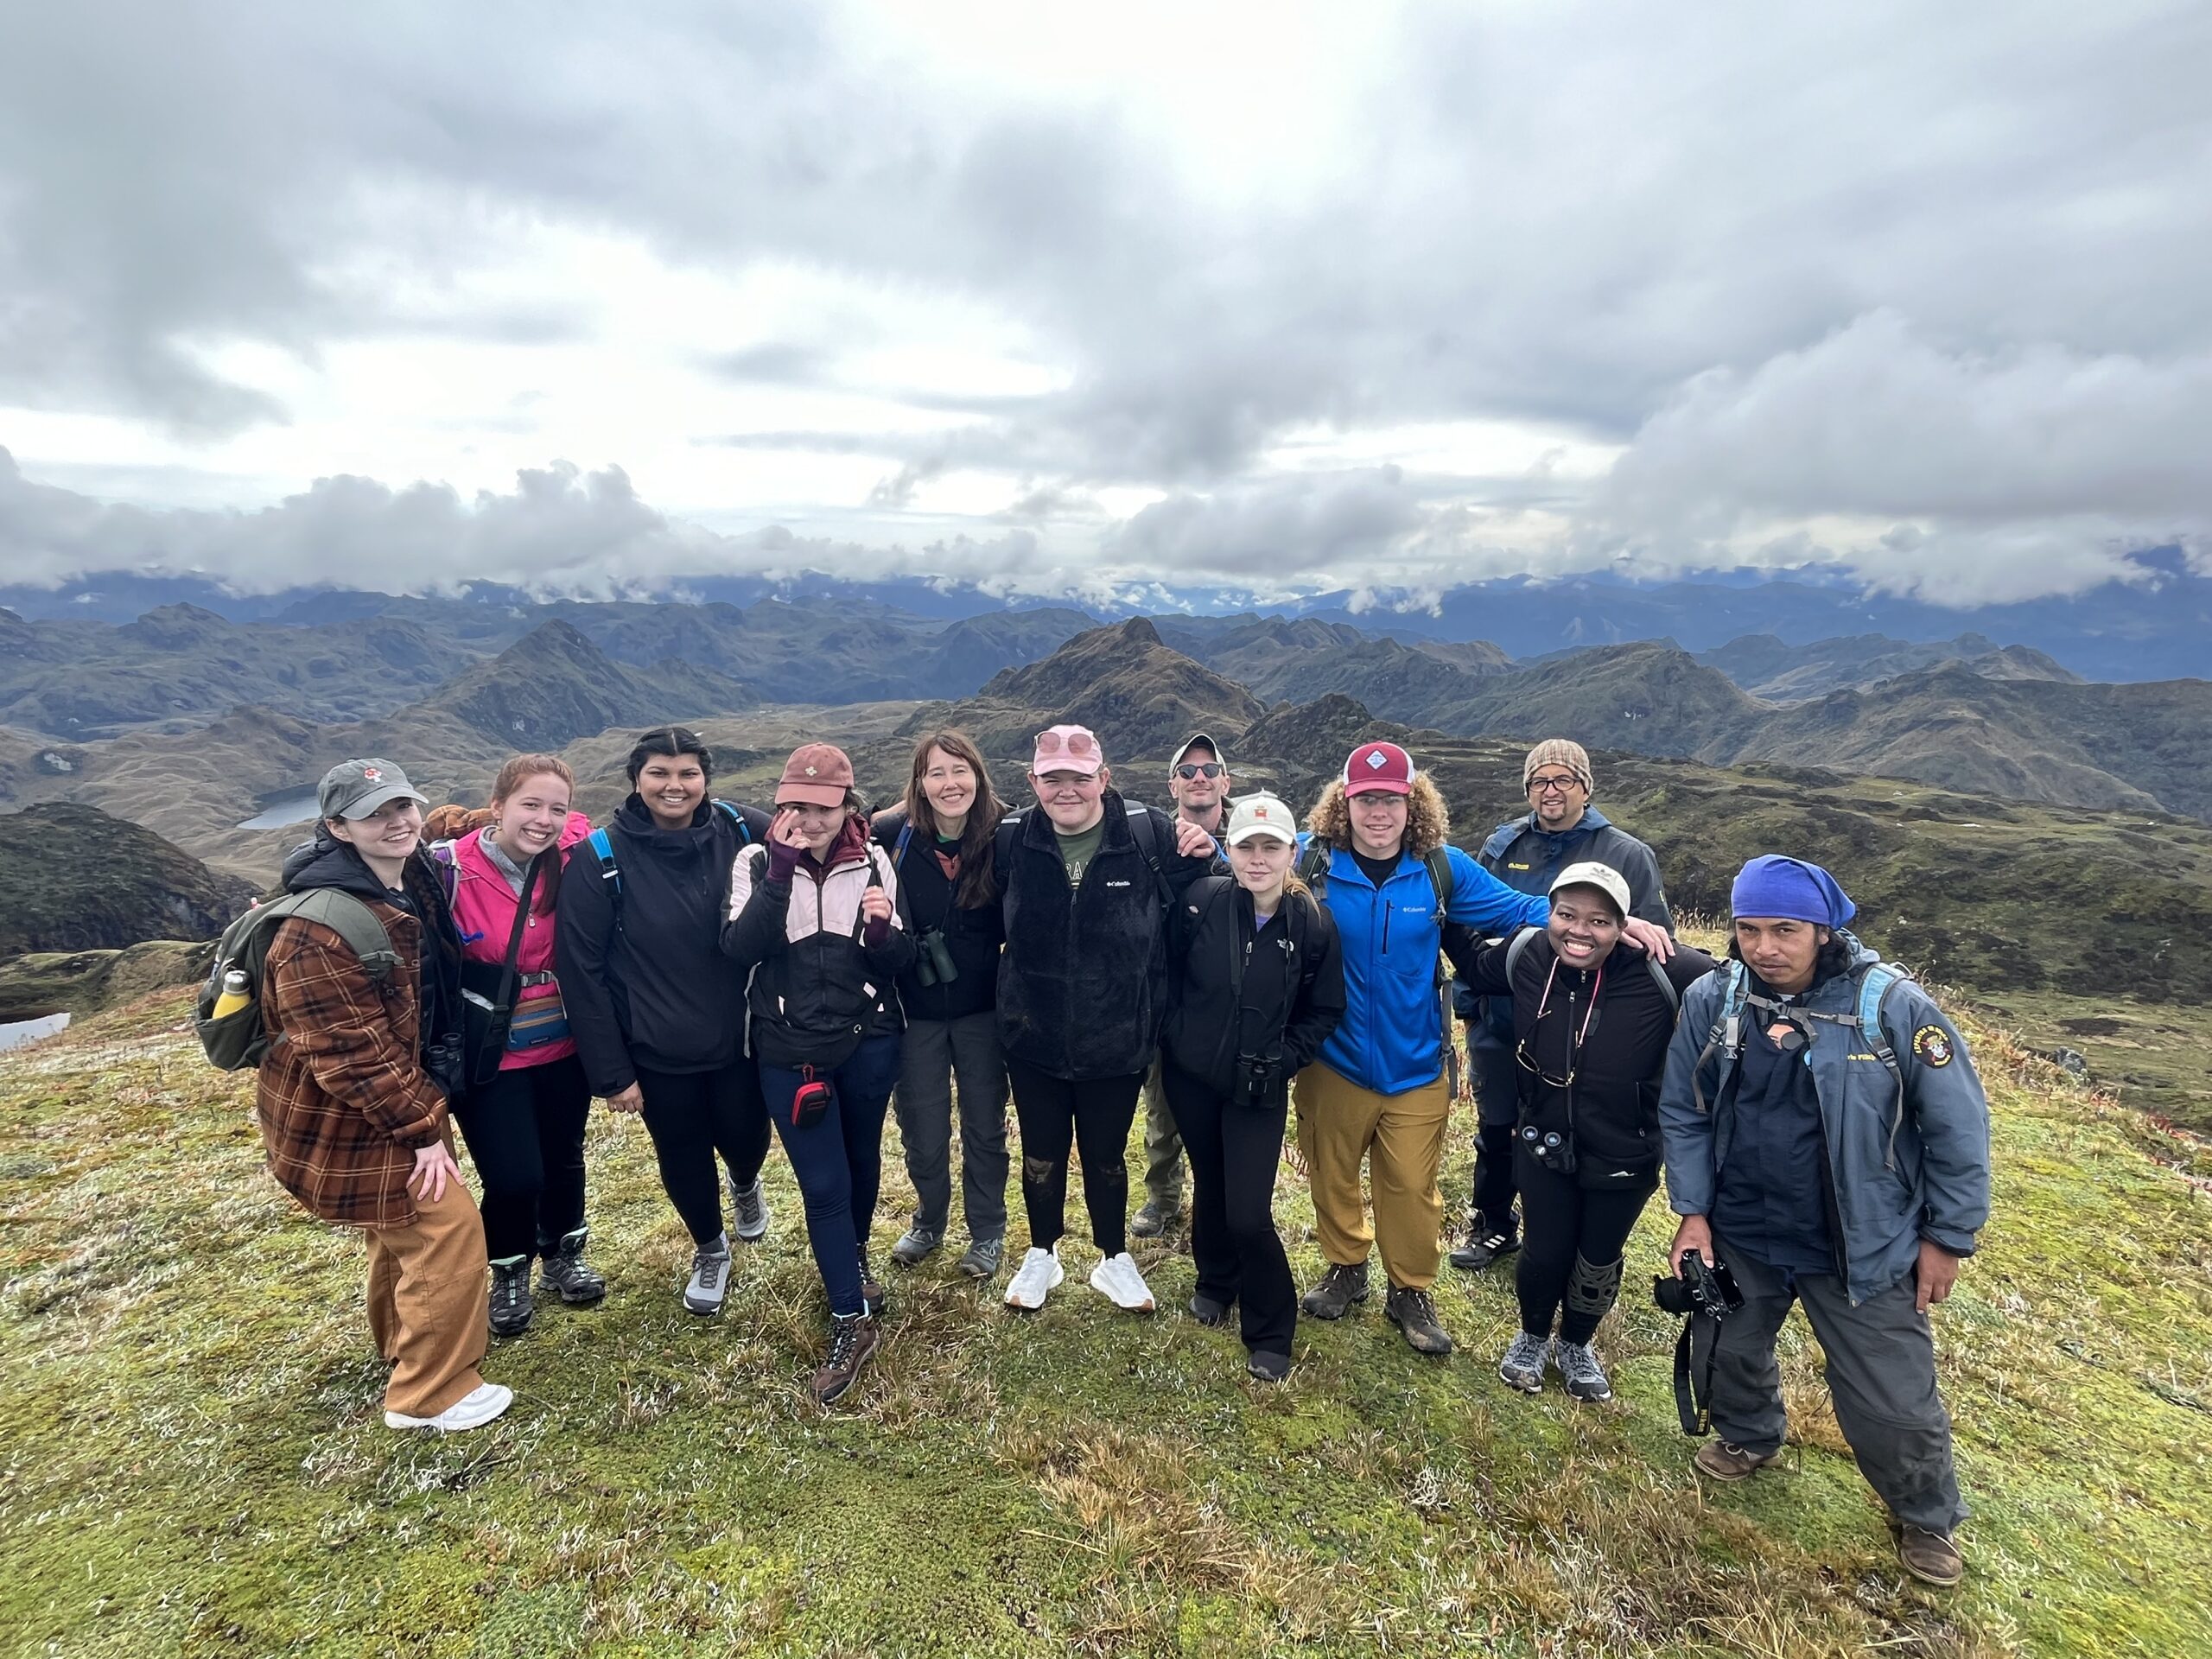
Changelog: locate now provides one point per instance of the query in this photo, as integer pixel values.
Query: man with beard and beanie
(1198, 782)
(362, 1007)
(1827, 1140)
(1528, 853)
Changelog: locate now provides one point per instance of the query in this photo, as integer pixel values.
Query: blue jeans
(838, 1160)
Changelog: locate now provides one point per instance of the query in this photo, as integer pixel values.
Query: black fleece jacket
(1293, 992)
(655, 990)
(973, 935)
(1612, 1108)
(1082, 978)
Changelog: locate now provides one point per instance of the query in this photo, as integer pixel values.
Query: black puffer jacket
(655, 991)
(1082, 981)
(973, 935)
(1293, 992)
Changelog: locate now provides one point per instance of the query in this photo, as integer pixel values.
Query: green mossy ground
(191, 1459)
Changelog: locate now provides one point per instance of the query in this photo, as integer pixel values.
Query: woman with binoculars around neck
(939, 839)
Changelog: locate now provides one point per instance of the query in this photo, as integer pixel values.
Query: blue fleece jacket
(1391, 1038)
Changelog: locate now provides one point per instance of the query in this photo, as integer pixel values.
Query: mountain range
(2151, 619)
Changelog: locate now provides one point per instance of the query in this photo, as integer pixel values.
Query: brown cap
(817, 775)
(1559, 751)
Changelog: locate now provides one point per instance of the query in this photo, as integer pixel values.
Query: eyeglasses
(1553, 786)
(1575, 1039)
(1191, 769)
(1078, 743)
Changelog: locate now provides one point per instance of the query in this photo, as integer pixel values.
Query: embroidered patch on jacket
(1932, 1044)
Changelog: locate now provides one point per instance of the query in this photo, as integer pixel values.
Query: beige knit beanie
(1559, 751)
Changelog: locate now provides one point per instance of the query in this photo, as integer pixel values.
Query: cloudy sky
(1268, 298)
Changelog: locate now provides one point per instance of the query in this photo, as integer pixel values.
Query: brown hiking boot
(1931, 1557)
(852, 1339)
(1725, 1461)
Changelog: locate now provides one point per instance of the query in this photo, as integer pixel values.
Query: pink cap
(1379, 768)
(1067, 748)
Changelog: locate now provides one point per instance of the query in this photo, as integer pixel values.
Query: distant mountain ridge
(2152, 621)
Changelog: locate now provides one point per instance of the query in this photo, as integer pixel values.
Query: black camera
(1258, 1081)
(934, 965)
(1701, 1289)
(1550, 1147)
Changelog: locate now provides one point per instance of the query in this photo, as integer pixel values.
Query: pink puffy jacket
(484, 911)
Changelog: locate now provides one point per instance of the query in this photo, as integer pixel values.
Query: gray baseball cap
(1191, 742)
(355, 788)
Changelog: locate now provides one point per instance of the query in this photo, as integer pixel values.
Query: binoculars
(935, 965)
(1554, 1151)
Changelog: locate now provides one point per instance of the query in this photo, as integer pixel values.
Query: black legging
(1094, 1115)
(525, 1131)
(1235, 1152)
(693, 1115)
(1572, 1240)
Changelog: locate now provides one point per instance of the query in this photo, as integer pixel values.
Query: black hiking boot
(871, 1291)
(563, 1272)
(1340, 1288)
(852, 1339)
(511, 1305)
(1414, 1313)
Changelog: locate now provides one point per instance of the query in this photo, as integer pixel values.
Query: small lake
(289, 808)
(18, 1033)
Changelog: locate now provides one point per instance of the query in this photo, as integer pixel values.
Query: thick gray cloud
(1934, 271)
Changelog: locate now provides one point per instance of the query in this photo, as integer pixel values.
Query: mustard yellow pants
(429, 1305)
(1401, 1138)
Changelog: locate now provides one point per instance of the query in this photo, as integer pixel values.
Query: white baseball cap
(1604, 877)
(1261, 815)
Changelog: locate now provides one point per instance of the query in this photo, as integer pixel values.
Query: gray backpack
(237, 1038)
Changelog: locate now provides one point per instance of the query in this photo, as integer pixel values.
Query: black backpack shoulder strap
(1440, 879)
(1314, 866)
(1148, 843)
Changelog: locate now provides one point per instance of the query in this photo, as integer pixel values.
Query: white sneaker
(1118, 1280)
(473, 1410)
(1040, 1274)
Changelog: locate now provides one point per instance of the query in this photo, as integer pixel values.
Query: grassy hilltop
(195, 1464)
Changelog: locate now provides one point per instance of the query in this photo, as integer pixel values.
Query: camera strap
(1694, 1382)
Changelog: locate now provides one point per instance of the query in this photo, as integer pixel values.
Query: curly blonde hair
(1428, 821)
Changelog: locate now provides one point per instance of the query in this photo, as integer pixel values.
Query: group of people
(717, 969)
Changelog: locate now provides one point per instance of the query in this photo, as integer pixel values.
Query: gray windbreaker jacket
(1899, 1172)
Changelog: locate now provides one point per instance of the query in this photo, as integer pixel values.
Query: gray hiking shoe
(563, 1272)
(710, 1281)
(917, 1243)
(982, 1258)
(511, 1305)
(1522, 1368)
(1579, 1367)
(1340, 1287)
(750, 1203)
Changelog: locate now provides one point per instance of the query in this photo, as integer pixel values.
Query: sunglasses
(1081, 743)
(1191, 769)
(1553, 786)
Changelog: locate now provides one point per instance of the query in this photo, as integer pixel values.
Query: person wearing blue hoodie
(1376, 854)
(1827, 1140)
(1561, 828)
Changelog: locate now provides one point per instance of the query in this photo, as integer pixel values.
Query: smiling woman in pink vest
(523, 1115)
